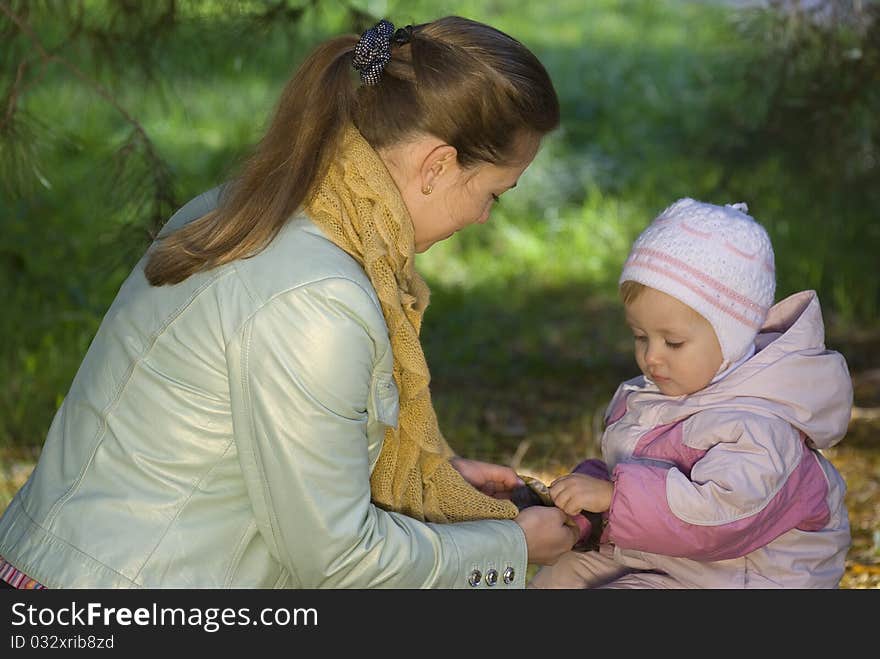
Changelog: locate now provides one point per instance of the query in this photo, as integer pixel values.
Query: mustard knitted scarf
(359, 207)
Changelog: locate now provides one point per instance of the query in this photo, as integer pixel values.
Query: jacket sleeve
(300, 375)
(752, 479)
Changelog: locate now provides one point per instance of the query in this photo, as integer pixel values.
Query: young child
(712, 475)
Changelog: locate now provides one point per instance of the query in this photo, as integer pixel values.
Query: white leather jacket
(221, 432)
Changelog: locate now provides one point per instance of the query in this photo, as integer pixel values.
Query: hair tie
(373, 51)
(403, 36)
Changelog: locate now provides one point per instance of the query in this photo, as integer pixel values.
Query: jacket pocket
(386, 400)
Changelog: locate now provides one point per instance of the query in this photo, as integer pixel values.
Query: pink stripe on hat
(698, 291)
(678, 264)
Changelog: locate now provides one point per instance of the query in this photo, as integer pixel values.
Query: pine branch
(160, 173)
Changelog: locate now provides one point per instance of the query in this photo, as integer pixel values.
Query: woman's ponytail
(275, 180)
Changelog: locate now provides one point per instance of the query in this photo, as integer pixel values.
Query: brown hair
(464, 82)
(630, 290)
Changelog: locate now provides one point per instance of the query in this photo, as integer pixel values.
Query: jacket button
(509, 574)
(474, 579)
(492, 577)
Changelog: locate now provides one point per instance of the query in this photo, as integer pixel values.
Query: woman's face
(444, 198)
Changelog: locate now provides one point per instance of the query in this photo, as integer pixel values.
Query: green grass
(524, 335)
(655, 105)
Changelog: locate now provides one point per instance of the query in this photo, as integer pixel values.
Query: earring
(428, 189)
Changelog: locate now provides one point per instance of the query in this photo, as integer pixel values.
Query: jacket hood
(791, 376)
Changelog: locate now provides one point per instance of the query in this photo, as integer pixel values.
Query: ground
(546, 425)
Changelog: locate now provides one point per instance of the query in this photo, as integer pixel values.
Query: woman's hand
(492, 479)
(549, 533)
(576, 492)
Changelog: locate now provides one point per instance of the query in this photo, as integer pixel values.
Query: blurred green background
(133, 108)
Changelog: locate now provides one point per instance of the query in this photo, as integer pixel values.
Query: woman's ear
(438, 162)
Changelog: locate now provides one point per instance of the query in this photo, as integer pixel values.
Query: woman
(254, 410)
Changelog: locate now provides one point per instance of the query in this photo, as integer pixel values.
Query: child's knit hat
(717, 260)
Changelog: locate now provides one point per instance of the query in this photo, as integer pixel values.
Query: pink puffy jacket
(727, 487)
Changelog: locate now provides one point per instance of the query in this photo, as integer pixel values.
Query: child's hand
(576, 492)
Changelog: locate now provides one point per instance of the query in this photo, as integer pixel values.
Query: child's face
(674, 345)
